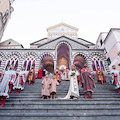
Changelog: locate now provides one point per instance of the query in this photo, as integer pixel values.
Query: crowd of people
(11, 80)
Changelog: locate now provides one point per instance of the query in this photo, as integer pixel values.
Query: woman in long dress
(20, 80)
(73, 91)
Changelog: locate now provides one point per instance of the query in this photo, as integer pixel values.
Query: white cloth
(73, 88)
(116, 72)
(64, 75)
(17, 84)
(4, 84)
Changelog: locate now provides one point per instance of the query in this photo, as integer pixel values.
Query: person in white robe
(20, 81)
(115, 78)
(65, 74)
(73, 91)
(7, 78)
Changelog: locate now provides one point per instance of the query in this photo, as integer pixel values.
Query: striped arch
(2, 54)
(65, 42)
(14, 53)
(47, 61)
(30, 53)
(97, 60)
(45, 54)
(79, 59)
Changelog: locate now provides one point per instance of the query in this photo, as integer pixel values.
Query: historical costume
(65, 74)
(73, 91)
(87, 81)
(46, 87)
(13, 78)
(20, 81)
(57, 73)
(40, 74)
(31, 76)
(6, 80)
(54, 84)
(115, 78)
(100, 76)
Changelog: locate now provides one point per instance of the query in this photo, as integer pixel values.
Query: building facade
(111, 46)
(5, 13)
(61, 48)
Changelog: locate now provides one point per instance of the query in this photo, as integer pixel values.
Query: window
(108, 61)
(101, 42)
(97, 62)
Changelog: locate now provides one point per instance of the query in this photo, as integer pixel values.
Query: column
(55, 62)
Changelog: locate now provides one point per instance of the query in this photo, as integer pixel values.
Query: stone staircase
(28, 105)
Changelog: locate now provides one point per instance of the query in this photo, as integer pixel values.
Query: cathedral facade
(61, 48)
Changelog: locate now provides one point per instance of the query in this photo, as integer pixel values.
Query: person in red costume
(100, 76)
(57, 73)
(115, 78)
(40, 74)
(31, 76)
(87, 81)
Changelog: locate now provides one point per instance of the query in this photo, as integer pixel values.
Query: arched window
(0, 60)
(25, 63)
(29, 65)
(29, 62)
(16, 65)
(93, 66)
(8, 64)
(13, 60)
(97, 62)
(33, 64)
(102, 67)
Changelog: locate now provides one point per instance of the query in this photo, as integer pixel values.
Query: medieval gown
(73, 88)
(21, 79)
(8, 76)
(87, 80)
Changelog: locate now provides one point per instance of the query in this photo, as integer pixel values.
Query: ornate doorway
(47, 63)
(79, 61)
(63, 56)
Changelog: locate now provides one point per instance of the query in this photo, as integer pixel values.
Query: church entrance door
(63, 56)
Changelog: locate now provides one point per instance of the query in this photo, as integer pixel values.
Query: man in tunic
(73, 91)
(20, 81)
(65, 74)
(87, 81)
(115, 78)
(40, 74)
(6, 80)
(31, 76)
(100, 76)
(46, 87)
